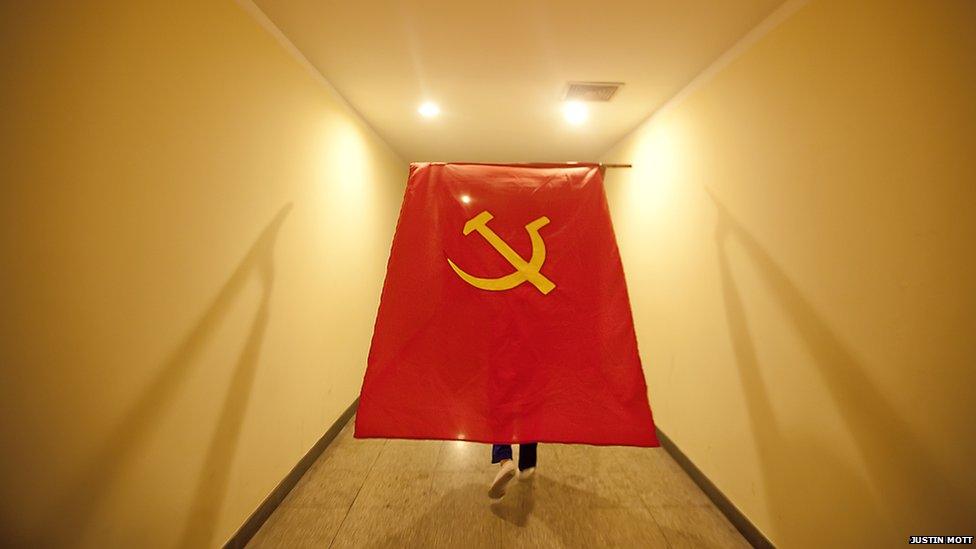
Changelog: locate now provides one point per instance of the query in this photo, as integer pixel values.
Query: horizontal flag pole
(546, 164)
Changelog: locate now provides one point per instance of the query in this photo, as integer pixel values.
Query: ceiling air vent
(591, 91)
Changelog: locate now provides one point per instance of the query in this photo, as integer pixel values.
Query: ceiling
(498, 69)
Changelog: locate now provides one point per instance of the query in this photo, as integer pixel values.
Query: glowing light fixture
(466, 199)
(429, 109)
(575, 112)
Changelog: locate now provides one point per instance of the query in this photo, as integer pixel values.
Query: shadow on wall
(900, 469)
(81, 498)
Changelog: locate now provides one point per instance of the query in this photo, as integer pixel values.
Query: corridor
(400, 493)
(723, 249)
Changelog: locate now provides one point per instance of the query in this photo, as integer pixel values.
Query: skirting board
(270, 503)
(745, 527)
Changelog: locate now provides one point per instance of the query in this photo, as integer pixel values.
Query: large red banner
(504, 316)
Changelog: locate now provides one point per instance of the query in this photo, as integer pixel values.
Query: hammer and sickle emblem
(524, 270)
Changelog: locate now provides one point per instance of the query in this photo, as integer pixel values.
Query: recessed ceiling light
(429, 109)
(575, 112)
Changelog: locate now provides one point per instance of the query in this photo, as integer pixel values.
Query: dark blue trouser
(504, 451)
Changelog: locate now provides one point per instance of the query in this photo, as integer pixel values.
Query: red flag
(504, 316)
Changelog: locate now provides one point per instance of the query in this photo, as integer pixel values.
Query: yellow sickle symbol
(524, 270)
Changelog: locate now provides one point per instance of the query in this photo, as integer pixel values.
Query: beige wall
(798, 235)
(194, 234)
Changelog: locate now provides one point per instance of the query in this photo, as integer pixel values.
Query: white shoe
(500, 484)
(527, 474)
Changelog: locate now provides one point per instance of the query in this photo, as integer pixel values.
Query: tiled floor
(379, 493)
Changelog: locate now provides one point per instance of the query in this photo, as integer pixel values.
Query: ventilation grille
(592, 91)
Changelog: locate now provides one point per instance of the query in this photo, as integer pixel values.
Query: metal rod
(602, 165)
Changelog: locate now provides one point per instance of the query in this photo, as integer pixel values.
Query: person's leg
(527, 459)
(501, 453)
(527, 456)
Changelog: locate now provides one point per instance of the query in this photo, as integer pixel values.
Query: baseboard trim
(274, 499)
(745, 527)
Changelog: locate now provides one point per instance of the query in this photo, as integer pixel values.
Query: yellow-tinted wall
(194, 234)
(798, 233)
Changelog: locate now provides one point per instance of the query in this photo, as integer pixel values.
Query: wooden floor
(379, 493)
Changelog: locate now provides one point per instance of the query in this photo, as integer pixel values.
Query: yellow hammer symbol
(524, 270)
